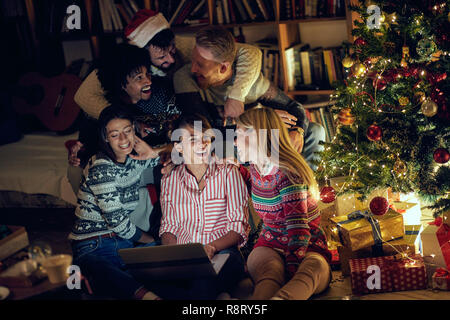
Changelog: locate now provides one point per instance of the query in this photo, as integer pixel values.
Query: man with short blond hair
(204, 85)
(219, 41)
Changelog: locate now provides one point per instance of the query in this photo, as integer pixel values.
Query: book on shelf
(249, 10)
(321, 114)
(198, 10)
(301, 9)
(178, 9)
(313, 69)
(270, 62)
(196, 22)
(123, 13)
(290, 64)
(118, 26)
(219, 12)
(134, 6)
(104, 13)
(263, 9)
(231, 10)
(184, 12)
(243, 17)
(225, 11)
(128, 9)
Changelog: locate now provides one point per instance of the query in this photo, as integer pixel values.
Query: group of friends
(147, 104)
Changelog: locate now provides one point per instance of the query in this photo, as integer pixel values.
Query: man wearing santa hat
(151, 31)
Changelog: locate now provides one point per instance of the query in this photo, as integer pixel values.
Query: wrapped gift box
(408, 274)
(360, 273)
(441, 279)
(436, 244)
(412, 237)
(409, 245)
(396, 274)
(14, 242)
(357, 232)
(346, 203)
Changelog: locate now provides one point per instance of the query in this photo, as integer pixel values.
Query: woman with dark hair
(207, 203)
(108, 195)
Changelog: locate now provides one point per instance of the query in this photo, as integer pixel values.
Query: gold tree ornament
(419, 96)
(348, 62)
(346, 117)
(403, 101)
(400, 167)
(429, 108)
(359, 69)
(392, 18)
(405, 56)
(435, 56)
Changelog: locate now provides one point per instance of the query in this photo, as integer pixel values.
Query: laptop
(169, 262)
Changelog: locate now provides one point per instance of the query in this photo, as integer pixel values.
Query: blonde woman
(290, 260)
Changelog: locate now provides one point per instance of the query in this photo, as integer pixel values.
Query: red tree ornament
(379, 206)
(379, 83)
(374, 133)
(441, 155)
(327, 194)
(360, 42)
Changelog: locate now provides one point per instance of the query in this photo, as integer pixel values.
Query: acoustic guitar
(49, 99)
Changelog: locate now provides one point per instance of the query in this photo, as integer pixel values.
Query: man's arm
(90, 96)
(277, 99)
(248, 68)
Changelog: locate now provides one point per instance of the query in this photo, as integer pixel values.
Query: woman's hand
(210, 250)
(73, 155)
(297, 140)
(143, 150)
(166, 159)
(288, 119)
(146, 238)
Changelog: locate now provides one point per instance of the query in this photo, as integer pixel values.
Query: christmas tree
(392, 109)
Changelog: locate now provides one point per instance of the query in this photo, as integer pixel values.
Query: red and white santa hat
(144, 26)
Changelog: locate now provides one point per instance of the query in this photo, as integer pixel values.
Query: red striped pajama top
(194, 216)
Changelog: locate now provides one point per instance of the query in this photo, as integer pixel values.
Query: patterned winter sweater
(158, 113)
(290, 217)
(108, 194)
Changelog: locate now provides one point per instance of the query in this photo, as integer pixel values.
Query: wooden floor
(53, 225)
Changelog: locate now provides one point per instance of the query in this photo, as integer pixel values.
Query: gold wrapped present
(412, 237)
(361, 229)
(349, 202)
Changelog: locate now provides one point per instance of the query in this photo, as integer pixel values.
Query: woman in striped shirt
(290, 259)
(204, 202)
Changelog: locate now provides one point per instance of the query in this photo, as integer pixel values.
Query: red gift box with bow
(386, 274)
(441, 279)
